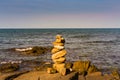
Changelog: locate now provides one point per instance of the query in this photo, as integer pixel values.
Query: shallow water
(101, 46)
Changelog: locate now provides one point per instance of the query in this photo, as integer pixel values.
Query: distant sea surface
(100, 46)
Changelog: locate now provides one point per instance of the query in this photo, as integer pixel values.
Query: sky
(59, 13)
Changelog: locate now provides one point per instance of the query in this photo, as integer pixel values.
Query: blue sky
(59, 14)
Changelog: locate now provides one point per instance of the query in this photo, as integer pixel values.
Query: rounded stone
(59, 47)
(59, 54)
(61, 40)
(59, 60)
(58, 66)
(58, 44)
(54, 50)
(58, 36)
(51, 70)
(62, 71)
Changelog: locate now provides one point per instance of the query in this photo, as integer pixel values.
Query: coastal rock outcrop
(84, 67)
(115, 73)
(58, 55)
(34, 51)
(8, 67)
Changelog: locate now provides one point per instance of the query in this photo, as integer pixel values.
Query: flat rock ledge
(39, 75)
(42, 75)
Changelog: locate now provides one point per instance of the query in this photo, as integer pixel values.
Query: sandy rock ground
(42, 75)
(38, 75)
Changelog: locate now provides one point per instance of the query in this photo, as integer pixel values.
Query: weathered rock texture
(115, 74)
(8, 67)
(37, 75)
(58, 55)
(84, 67)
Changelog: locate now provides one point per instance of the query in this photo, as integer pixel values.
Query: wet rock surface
(33, 51)
(8, 67)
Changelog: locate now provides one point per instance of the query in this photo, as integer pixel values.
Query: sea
(99, 45)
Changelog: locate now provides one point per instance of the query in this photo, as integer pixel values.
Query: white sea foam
(10, 61)
(23, 49)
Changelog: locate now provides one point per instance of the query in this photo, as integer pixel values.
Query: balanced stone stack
(58, 55)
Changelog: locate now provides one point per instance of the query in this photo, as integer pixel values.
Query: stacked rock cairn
(58, 55)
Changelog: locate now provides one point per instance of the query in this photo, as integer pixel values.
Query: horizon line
(64, 28)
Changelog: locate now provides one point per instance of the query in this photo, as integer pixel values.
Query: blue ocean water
(101, 46)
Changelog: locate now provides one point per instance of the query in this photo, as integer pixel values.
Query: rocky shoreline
(12, 72)
(80, 70)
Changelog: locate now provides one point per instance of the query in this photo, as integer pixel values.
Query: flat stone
(59, 47)
(58, 36)
(58, 67)
(58, 44)
(59, 60)
(54, 50)
(60, 40)
(59, 54)
(63, 71)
